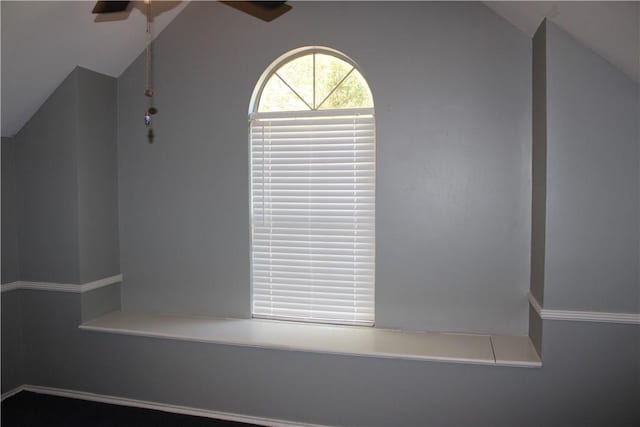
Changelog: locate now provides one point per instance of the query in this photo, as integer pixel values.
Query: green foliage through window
(315, 81)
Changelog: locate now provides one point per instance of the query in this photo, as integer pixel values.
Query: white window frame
(356, 114)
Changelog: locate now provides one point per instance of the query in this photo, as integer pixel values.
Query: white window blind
(313, 216)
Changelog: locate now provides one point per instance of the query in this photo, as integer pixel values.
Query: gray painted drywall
(535, 330)
(452, 89)
(12, 345)
(539, 161)
(99, 302)
(67, 183)
(589, 377)
(590, 373)
(97, 176)
(592, 181)
(10, 250)
(48, 189)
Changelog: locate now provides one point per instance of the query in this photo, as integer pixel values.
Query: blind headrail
(346, 112)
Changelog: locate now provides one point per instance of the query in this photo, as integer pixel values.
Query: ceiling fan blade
(265, 10)
(110, 6)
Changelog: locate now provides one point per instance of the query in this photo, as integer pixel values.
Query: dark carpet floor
(27, 409)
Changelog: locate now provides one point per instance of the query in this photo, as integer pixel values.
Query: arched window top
(312, 155)
(311, 79)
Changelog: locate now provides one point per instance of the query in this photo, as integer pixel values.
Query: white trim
(583, 316)
(324, 339)
(101, 283)
(6, 287)
(290, 56)
(264, 115)
(63, 287)
(175, 409)
(10, 393)
(535, 304)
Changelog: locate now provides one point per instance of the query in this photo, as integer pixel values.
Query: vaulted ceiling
(43, 41)
(610, 28)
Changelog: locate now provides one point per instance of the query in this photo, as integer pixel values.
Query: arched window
(312, 162)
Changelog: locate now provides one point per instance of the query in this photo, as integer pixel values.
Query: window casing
(313, 191)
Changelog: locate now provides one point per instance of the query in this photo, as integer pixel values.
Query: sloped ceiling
(43, 41)
(609, 28)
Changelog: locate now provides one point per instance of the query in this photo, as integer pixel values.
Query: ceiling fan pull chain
(148, 91)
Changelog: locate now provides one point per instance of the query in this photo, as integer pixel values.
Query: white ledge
(343, 340)
(62, 287)
(583, 316)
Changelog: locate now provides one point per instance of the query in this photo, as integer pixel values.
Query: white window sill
(494, 350)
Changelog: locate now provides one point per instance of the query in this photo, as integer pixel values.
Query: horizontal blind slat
(263, 280)
(313, 216)
(305, 292)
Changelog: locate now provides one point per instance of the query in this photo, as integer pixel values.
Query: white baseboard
(11, 392)
(583, 316)
(175, 409)
(62, 287)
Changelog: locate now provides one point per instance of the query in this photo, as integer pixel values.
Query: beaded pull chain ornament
(148, 91)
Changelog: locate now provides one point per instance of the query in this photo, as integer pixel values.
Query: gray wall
(592, 181)
(539, 161)
(67, 183)
(452, 89)
(12, 347)
(48, 189)
(97, 176)
(10, 250)
(589, 377)
(180, 203)
(99, 302)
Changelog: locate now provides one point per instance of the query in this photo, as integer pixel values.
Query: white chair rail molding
(62, 287)
(583, 316)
